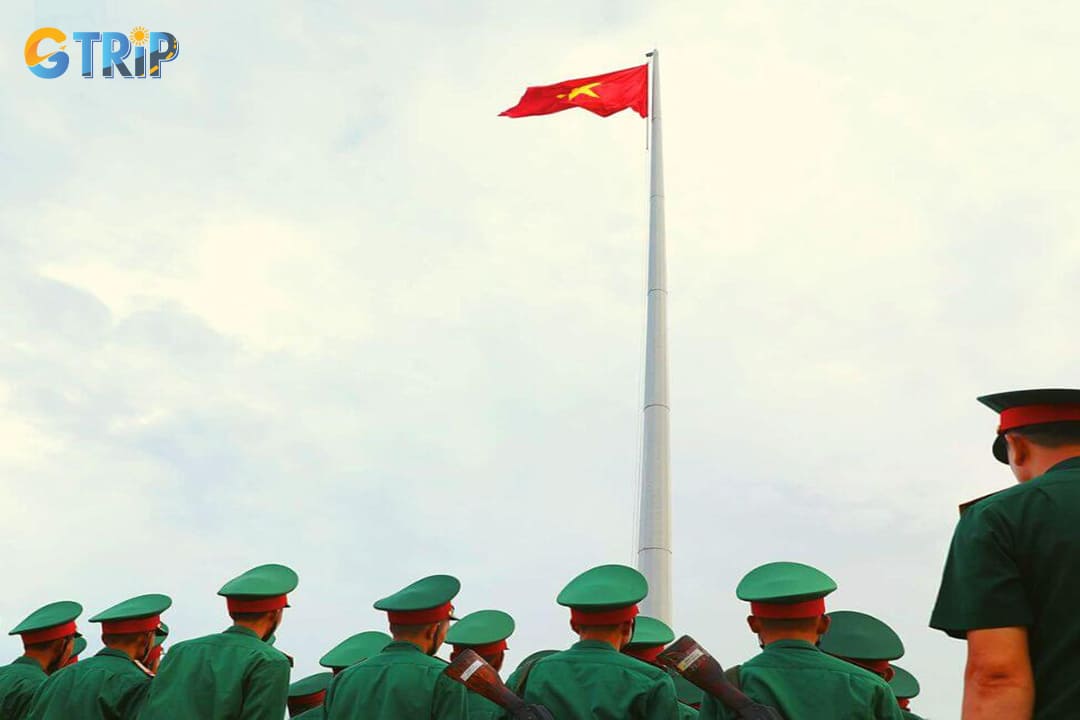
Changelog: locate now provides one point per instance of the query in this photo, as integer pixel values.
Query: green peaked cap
(262, 581)
(79, 647)
(52, 615)
(355, 649)
(606, 586)
(903, 684)
(142, 606)
(160, 634)
(999, 402)
(650, 632)
(860, 636)
(784, 583)
(310, 685)
(424, 594)
(482, 627)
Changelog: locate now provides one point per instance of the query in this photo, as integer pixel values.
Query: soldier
(1012, 575)
(153, 660)
(650, 638)
(306, 696)
(787, 606)
(516, 681)
(48, 637)
(113, 684)
(76, 650)
(485, 632)
(405, 680)
(354, 649)
(593, 679)
(234, 674)
(904, 687)
(862, 640)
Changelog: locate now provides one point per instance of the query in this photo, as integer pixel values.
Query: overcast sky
(307, 299)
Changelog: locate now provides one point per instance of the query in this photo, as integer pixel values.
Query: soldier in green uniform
(1012, 576)
(485, 632)
(517, 679)
(405, 680)
(153, 660)
(862, 640)
(308, 694)
(787, 613)
(113, 684)
(593, 679)
(650, 638)
(354, 649)
(48, 636)
(235, 674)
(76, 650)
(904, 687)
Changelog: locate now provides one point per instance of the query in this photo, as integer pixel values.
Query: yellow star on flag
(582, 90)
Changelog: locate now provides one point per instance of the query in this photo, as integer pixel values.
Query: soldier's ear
(575, 628)
(754, 623)
(823, 625)
(1018, 449)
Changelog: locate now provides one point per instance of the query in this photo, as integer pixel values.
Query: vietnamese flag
(601, 94)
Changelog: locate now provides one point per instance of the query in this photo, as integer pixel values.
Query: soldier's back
(593, 681)
(108, 686)
(18, 683)
(219, 677)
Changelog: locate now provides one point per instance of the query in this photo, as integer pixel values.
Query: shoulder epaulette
(964, 507)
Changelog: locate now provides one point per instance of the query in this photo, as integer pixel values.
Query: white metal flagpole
(654, 531)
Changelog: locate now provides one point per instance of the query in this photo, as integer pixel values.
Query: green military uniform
(593, 679)
(308, 693)
(354, 649)
(110, 685)
(1015, 558)
(403, 681)
(521, 672)
(904, 687)
(233, 675)
(650, 637)
(22, 678)
(485, 632)
(792, 675)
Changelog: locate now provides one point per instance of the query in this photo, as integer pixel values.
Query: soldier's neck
(768, 637)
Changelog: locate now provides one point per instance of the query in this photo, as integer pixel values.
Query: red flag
(601, 94)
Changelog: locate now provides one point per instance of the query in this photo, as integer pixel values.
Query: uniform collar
(1070, 464)
(110, 652)
(241, 630)
(402, 646)
(593, 645)
(24, 660)
(792, 644)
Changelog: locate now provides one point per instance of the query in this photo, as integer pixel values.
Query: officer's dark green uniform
(485, 632)
(1015, 558)
(521, 672)
(308, 694)
(904, 687)
(232, 675)
(862, 640)
(794, 676)
(110, 685)
(403, 681)
(650, 638)
(592, 679)
(21, 679)
(354, 649)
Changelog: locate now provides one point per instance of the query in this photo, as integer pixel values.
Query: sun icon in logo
(139, 35)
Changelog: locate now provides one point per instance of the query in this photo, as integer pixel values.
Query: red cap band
(482, 650)
(789, 611)
(54, 633)
(124, 627)
(421, 617)
(256, 605)
(904, 703)
(311, 700)
(579, 616)
(648, 653)
(877, 666)
(1037, 415)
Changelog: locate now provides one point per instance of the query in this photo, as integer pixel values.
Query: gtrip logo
(46, 56)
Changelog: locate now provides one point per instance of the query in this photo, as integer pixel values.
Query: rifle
(695, 664)
(477, 675)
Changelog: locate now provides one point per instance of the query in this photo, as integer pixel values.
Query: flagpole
(654, 531)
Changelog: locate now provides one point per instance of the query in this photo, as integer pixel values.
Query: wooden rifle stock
(686, 657)
(480, 677)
